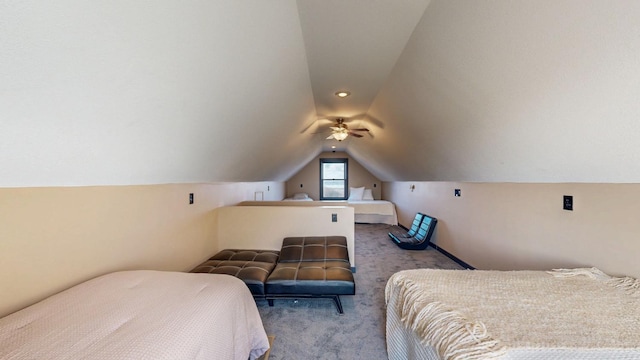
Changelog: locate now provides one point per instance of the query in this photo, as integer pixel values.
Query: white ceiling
(226, 90)
(523, 91)
(353, 45)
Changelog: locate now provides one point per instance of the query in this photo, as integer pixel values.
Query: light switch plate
(567, 202)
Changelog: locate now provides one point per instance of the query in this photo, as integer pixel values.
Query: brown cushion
(251, 266)
(314, 248)
(269, 256)
(312, 278)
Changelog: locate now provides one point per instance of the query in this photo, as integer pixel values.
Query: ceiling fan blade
(354, 134)
(335, 128)
(361, 129)
(329, 137)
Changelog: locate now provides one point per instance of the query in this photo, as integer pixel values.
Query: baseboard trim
(451, 256)
(446, 253)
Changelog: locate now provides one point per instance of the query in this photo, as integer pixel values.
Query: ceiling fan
(341, 131)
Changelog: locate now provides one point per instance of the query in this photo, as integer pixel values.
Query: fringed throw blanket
(478, 314)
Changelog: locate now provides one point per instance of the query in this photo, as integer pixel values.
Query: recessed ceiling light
(342, 94)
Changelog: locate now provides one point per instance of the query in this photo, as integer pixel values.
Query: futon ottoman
(312, 267)
(251, 266)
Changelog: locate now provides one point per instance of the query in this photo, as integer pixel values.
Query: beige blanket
(483, 314)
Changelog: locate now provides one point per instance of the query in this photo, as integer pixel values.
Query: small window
(333, 179)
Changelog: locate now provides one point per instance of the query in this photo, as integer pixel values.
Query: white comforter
(140, 315)
(374, 212)
(378, 207)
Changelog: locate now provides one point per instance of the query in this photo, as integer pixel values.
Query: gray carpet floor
(313, 329)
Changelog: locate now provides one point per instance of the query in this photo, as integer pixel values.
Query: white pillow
(355, 194)
(368, 195)
(300, 196)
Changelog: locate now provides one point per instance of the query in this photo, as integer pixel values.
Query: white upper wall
(522, 91)
(138, 92)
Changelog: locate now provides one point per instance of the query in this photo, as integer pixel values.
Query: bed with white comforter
(568, 314)
(365, 211)
(137, 315)
(374, 211)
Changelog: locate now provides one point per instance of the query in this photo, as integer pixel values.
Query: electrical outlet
(457, 192)
(334, 217)
(190, 198)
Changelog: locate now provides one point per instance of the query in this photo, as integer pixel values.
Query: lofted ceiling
(342, 56)
(459, 90)
(225, 90)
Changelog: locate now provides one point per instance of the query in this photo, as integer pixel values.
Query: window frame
(344, 161)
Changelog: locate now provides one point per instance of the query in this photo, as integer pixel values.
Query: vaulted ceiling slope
(139, 92)
(224, 90)
(522, 91)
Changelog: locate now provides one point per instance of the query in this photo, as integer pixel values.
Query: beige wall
(270, 224)
(522, 226)
(53, 238)
(309, 177)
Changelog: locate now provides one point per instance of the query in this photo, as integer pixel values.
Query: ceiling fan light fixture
(340, 135)
(342, 94)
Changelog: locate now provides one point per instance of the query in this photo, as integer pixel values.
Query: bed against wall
(366, 209)
(299, 197)
(374, 212)
(371, 211)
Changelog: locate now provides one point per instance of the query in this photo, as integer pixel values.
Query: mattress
(140, 315)
(520, 315)
(374, 211)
